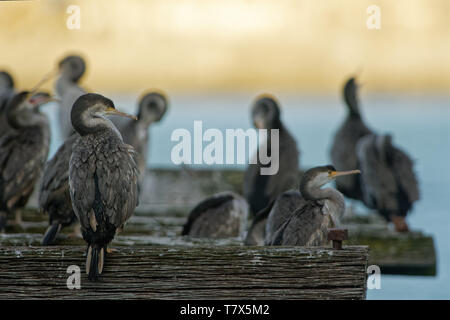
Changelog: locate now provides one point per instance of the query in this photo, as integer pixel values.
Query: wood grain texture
(179, 272)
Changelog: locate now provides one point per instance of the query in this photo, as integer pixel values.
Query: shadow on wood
(174, 272)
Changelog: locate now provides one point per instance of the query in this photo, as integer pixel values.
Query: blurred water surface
(420, 125)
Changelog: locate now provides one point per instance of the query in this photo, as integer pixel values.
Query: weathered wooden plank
(200, 272)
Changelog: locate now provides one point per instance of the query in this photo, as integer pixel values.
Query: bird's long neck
(333, 198)
(64, 83)
(351, 100)
(93, 125)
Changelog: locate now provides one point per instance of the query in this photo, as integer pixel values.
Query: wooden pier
(175, 272)
(154, 261)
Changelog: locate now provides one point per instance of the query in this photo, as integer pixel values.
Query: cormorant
(23, 151)
(343, 150)
(388, 180)
(260, 190)
(224, 215)
(103, 177)
(302, 218)
(71, 69)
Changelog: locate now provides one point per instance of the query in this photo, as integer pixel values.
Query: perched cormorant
(224, 215)
(388, 181)
(343, 150)
(54, 197)
(71, 69)
(23, 151)
(152, 107)
(302, 218)
(103, 177)
(260, 190)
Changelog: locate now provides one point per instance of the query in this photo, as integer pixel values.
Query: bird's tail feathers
(94, 262)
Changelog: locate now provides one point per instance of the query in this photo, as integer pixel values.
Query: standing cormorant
(343, 150)
(260, 190)
(302, 218)
(23, 152)
(388, 181)
(103, 177)
(224, 215)
(71, 69)
(54, 196)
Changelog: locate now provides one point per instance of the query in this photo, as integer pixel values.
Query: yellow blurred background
(232, 45)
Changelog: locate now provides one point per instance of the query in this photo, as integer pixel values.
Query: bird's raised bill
(335, 174)
(53, 73)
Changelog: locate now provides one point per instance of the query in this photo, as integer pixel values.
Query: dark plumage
(343, 150)
(388, 181)
(103, 177)
(223, 215)
(260, 190)
(54, 195)
(71, 69)
(6, 93)
(303, 218)
(23, 151)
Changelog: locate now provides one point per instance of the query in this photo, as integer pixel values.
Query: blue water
(420, 124)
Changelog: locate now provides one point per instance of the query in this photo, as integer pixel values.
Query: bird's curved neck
(88, 124)
(64, 83)
(333, 197)
(352, 103)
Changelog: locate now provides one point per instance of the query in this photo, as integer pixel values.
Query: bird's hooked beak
(37, 100)
(335, 174)
(112, 111)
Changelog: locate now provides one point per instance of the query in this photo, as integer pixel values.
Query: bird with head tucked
(302, 217)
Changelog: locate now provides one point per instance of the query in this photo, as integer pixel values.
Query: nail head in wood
(337, 236)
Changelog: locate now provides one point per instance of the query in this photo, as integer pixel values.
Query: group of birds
(291, 207)
(94, 178)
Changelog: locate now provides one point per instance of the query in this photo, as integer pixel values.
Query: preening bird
(343, 150)
(6, 93)
(152, 107)
(224, 215)
(260, 189)
(54, 195)
(103, 177)
(302, 218)
(23, 152)
(71, 69)
(388, 181)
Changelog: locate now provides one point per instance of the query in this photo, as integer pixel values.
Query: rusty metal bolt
(337, 236)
